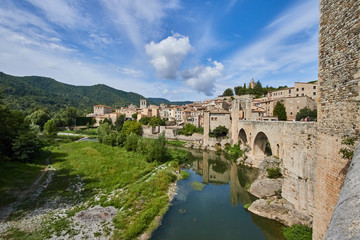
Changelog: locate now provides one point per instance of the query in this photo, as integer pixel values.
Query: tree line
(258, 90)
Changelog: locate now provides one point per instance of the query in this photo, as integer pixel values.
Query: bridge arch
(261, 147)
(243, 136)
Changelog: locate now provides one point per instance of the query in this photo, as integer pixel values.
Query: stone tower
(143, 103)
(339, 104)
(252, 83)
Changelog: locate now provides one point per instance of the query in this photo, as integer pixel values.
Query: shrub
(297, 232)
(274, 172)
(246, 206)
(180, 155)
(234, 152)
(184, 175)
(50, 129)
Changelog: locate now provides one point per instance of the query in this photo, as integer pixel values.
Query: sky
(175, 49)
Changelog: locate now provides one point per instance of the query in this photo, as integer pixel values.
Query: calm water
(217, 211)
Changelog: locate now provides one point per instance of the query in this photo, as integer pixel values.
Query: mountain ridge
(29, 92)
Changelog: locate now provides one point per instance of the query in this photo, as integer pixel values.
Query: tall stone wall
(339, 104)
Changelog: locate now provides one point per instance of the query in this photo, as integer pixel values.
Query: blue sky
(176, 49)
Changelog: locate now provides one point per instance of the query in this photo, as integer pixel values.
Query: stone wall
(339, 105)
(345, 222)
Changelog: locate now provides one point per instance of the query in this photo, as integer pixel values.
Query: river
(215, 212)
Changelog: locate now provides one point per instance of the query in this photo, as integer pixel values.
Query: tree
(280, 111)
(306, 112)
(219, 131)
(119, 122)
(103, 130)
(258, 90)
(131, 142)
(228, 92)
(158, 151)
(39, 117)
(70, 114)
(156, 121)
(131, 126)
(144, 120)
(134, 115)
(50, 129)
(26, 145)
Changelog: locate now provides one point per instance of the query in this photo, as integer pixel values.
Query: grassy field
(90, 174)
(16, 177)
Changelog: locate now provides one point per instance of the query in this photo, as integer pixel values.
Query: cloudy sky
(176, 49)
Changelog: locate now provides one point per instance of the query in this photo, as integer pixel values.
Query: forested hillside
(26, 93)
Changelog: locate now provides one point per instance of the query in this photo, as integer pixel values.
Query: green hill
(26, 93)
(158, 101)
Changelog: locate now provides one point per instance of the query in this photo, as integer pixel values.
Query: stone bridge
(294, 143)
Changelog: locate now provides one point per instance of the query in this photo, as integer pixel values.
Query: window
(302, 89)
(314, 87)
(291, 113)
(297, 107)
(314, 93)
(289, 91)
(302, 94)
(297, 95)
(297, 89)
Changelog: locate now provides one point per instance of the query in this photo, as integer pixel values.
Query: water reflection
(218, 208)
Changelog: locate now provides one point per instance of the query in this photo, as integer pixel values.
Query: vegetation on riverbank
(297, 232)
(90, 174)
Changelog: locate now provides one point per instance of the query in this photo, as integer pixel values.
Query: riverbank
(97, 192)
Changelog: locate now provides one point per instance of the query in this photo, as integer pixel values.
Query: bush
(180, 155)
(131, 142)
(234, 152)
(274, 172)
(246, 206)
(184, 175)
(297, 232)
(156, 121)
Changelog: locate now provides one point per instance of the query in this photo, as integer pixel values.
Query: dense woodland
(29, 93)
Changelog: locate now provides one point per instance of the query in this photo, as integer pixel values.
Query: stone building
(102, 109)
(219, 118)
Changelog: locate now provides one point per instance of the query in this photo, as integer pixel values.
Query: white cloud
(167, 55)
(203, 78)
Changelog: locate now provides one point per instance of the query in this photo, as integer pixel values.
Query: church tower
(143, 103)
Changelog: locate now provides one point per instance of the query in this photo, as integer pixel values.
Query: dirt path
(33, 191)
